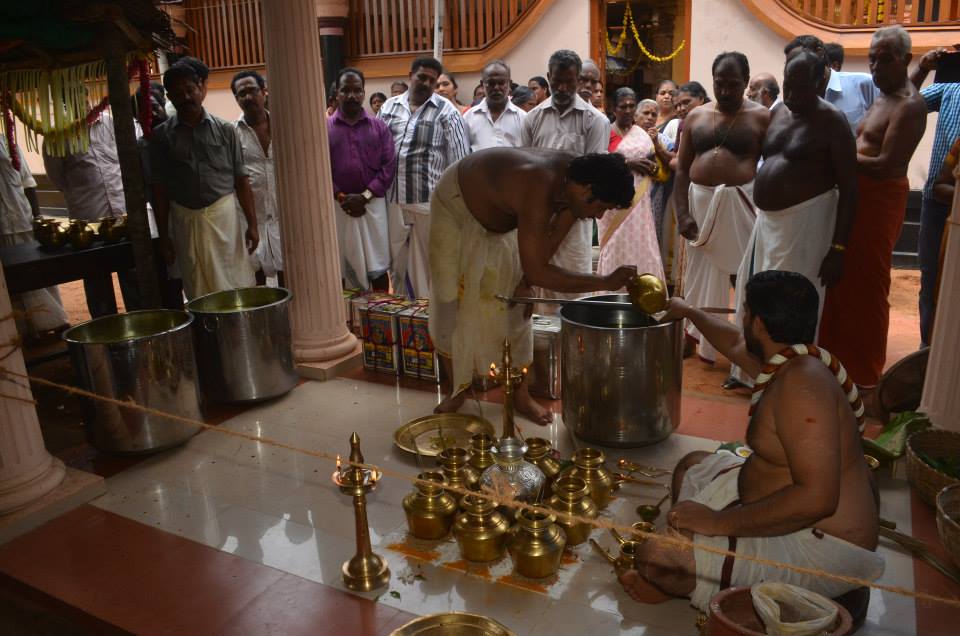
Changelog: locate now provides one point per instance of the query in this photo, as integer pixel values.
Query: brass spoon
(646, 471)
(648, 512)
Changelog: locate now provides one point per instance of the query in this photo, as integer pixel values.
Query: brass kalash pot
(540, 454)
(480, 530)
(481, 455)
(571, 496)
(80, 235)
(536, 543)
(588, 465)
(430, 509)
(456, 470)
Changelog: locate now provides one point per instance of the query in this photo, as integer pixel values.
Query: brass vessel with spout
(536, 543)
(456, 470)
(80, 235)
(481, 455)
(540, 453)
(572, 497)
(588, 465)
(480, 530)
(430, 509)
(629, 558)
(640, 530)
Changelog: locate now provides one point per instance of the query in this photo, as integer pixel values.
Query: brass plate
(423, 433)
(453, 624)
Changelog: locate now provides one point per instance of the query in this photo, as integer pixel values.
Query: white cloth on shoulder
(210, 246)
(725, 216)
(795, 239)
(714, 483)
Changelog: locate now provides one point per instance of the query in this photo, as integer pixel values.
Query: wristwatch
(366, 194)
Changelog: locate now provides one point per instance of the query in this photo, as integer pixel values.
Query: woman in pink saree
(628, 237)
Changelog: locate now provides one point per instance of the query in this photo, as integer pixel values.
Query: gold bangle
(837, 247)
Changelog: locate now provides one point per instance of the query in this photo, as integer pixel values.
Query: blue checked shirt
(945, 99)
(428, 142)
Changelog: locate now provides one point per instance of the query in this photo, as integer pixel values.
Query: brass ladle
(648, 512)
(620, 478)
(646, 471)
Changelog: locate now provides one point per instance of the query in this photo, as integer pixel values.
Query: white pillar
(27, 470)
(322, 345)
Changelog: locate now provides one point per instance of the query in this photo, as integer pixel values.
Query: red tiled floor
(147, 581)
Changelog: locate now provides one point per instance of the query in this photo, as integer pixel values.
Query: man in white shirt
(495, 121)
(253, 128)
(564, 121)
(38, 310)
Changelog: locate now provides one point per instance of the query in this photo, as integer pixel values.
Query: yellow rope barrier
(678, 542)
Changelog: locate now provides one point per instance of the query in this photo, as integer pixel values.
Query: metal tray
(453, 624)
(423, 433)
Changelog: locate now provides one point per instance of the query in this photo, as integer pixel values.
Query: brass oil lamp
(481, 455)
(457, 471)
(588, 465)
(572, 497)
(480, 530)
(366, 570)
(509, 378)
(429, 508)
(536, 543)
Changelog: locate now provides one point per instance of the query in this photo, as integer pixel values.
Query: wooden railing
(391, 27)
(225, 34)
(859, 14)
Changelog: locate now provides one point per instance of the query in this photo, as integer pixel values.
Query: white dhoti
(470, 267)
(575, 254)
(210, 246)
(365, 242)
(713, 483)
(268, 256)
(725, 216)
(411, 250)
(37, 310)
(795, 239)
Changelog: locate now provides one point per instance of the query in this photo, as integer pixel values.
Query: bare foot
(451, 403)
(528, 407)
(641, 590)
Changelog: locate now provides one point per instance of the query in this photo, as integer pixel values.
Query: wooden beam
(128, 155)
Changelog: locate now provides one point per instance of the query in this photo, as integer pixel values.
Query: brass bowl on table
(422, 436)
(925, 478)
(948, 521)
(453, 624)
(50, 235)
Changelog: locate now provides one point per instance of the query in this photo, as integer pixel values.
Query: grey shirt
(197, 165)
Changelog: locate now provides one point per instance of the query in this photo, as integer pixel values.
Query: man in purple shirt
(364, 162)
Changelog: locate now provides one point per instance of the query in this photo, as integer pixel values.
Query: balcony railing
(391, 27)
(225, 34)
(859, 14)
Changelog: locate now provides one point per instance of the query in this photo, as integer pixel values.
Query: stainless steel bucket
(243, 343)
(143, 356)
(621, 375)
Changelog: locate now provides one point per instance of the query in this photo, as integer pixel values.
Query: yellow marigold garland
(628, 21)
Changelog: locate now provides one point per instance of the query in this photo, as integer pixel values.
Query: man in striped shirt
(429, 136)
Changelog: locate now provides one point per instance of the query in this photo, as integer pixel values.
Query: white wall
(726, 25)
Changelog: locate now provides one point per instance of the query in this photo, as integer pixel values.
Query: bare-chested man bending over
(804, 496)
(497, 217)
(806, 189)
(716, 162)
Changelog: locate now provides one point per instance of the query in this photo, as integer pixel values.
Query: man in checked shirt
(429, 136)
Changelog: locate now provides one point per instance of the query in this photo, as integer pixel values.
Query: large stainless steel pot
(143, 356)
(243, 343)
(621, 374)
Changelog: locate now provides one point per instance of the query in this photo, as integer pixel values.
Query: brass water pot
(456, 470)
(80, 235)
(480, 530)
(50, 234)
(571, 496)
(430, 510)
(113, 229)
(648, 293)
(540, 454)
(629, 558)
(536, 543)
(481, 456)
(588, 465)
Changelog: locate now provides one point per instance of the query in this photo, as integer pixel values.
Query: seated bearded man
(804, 496)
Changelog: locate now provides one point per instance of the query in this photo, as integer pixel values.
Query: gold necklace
(716, 148)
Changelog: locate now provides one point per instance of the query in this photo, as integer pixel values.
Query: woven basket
(948, 521)
(927, 480)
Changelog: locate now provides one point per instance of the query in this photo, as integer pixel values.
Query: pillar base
(76, 488)
(329, 369)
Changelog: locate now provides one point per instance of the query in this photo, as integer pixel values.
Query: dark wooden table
(28, 267)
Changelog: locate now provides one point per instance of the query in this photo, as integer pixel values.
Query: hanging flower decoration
(10, 131)
(628, 21)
